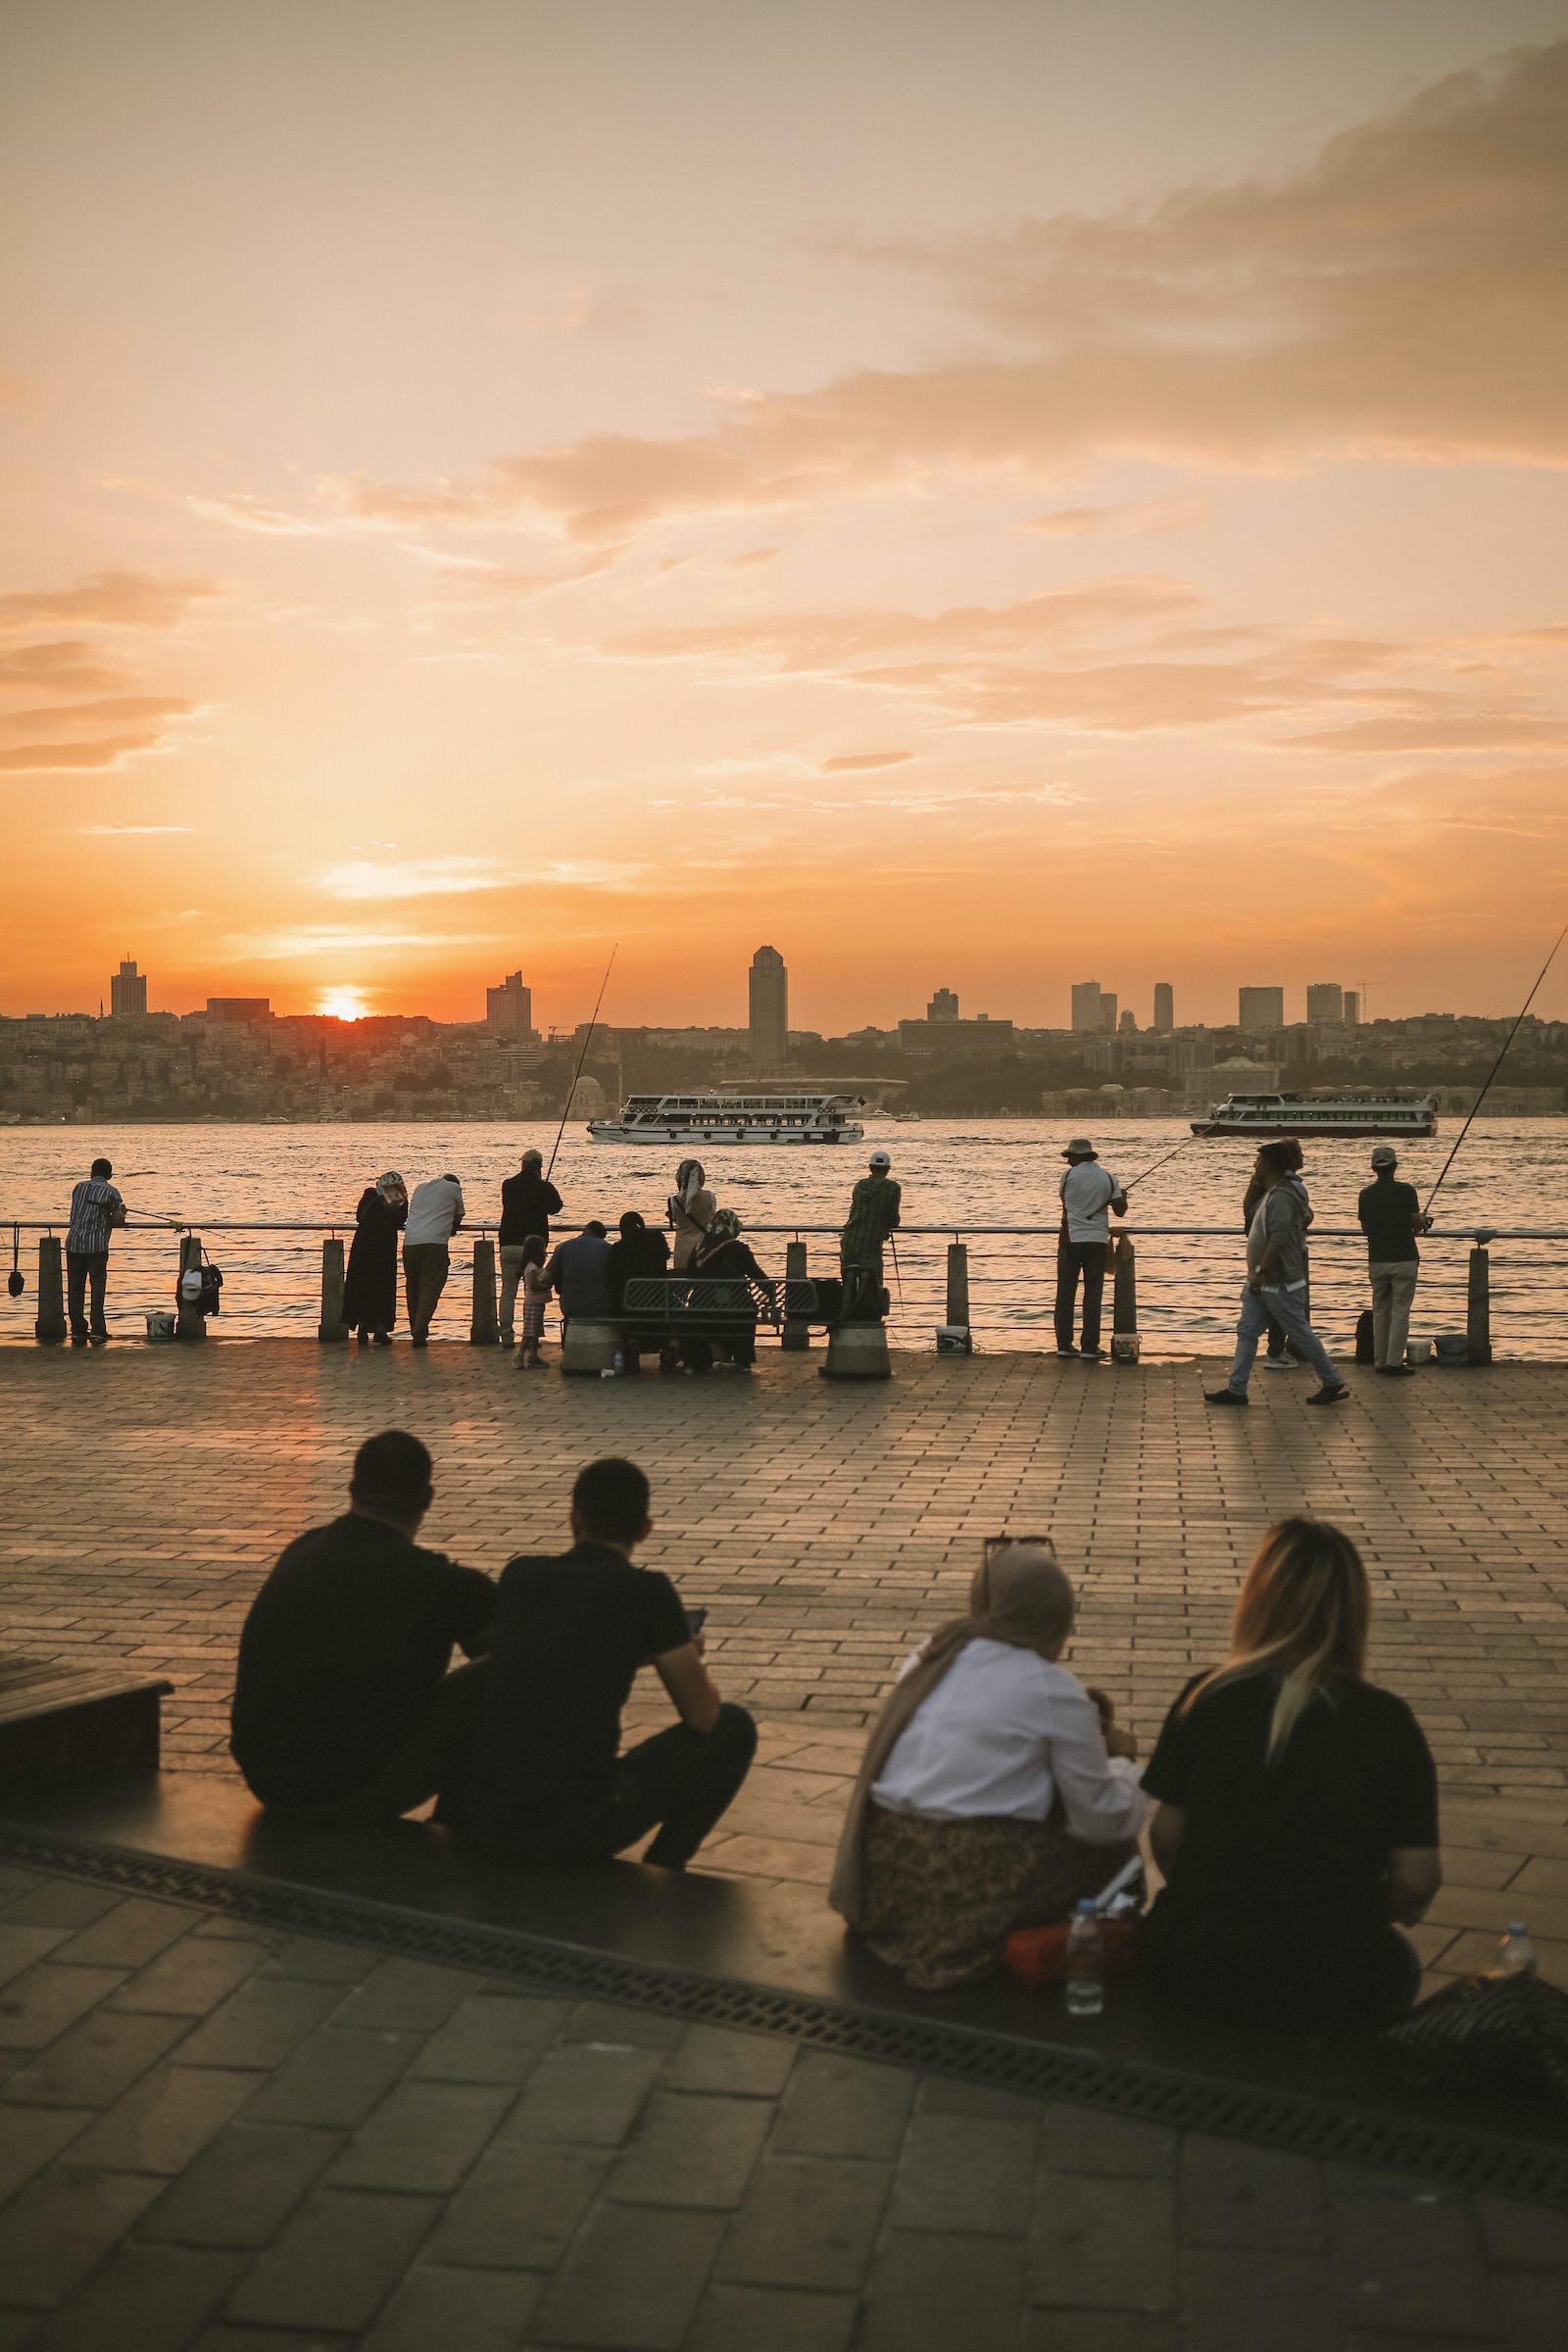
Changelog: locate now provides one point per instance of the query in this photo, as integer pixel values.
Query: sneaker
(1282, 1363)
(1067, 1350)
(1093, 1355)
(419, 1340)
(1329, 1396)
(1223, 1396)
(1397, 1371)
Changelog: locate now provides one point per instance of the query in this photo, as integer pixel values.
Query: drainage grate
(1450, 2155)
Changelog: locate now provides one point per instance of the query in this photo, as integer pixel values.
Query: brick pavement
(216, 2138)
(828, 1526)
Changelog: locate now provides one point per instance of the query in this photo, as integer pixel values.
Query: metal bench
(664, 1311)
(63, 1723)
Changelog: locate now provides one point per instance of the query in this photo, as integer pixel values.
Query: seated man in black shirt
(344, 1710)
(637, 1255)
(549, 1783)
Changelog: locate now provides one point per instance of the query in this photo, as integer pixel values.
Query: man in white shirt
(1088, 1191)
(435, 1214)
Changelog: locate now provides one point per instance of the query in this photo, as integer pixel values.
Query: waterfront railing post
(1124, 1299)
(332, 1325)
(957, 1315)
(484, 1328)
(49, 1325)
(796, 1334)
(189, 1321)
(1478, 1307)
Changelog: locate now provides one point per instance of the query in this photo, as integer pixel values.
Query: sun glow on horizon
(343, 1004)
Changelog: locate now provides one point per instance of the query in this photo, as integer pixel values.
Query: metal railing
(1178, 1283)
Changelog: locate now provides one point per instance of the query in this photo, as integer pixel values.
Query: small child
(535, 1293)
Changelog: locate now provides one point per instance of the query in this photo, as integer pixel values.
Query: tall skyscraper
(770, 1010)
(127, 988)
(1352, 1008)
(944, 1006)
(1261, 1008)
(1165, 1006)
(1086, 1012)
(1108, 1008)
(1325, 1001)
(509, 1010)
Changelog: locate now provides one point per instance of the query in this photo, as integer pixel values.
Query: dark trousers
(81, 1268)
(433, 1761)
(680, 1782)
(425, 1267)
(1073, 1259)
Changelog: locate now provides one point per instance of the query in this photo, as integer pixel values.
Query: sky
(979, 497)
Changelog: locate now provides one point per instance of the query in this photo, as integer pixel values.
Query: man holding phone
(549, 1782)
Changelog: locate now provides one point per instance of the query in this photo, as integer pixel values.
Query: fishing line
(1496, 1066)
(1157, 1164)
(582, 1058)
(897, 1275)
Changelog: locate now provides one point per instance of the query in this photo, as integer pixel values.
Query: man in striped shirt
(96, 1208)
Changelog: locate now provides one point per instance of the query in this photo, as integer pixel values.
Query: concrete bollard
(589, 1346)
(1478, 1308)
(1124, 1299)
(49, 1324)
(484, 1328)
(332, 1325)
(958, 1292)
(189, 1321)
(796, 1335)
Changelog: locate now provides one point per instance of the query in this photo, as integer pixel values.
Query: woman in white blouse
(996, 1792)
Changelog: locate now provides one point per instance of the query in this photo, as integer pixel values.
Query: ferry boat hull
(614, 1130)
(767, 1116)
(1319, 1117)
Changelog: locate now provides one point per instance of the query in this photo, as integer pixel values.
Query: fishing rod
(1154, 1165)
(582, 1058)
(1496, 1066)
(897, 1275)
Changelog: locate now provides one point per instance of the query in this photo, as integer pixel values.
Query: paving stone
(192, 1977)
(261, 2024)
(1080, 2139)
(843, 2107)
(44, 1999)
(412, 1996)
(242, 2187)
(490, 2037)
(222, 2339)
(424, 2136)
(806, 2220)
(1108, 2244)
(142, 2299)
(617, 2022)
(472, 2311)
(719, 2058)
(520, 2206)
(1239, 2298)
(941, 2095)
(21, 1946)
(931, 2290)
(691, 2149)
(323, 1962)
(965, 2174)
(32, 2137)
(1529, 2236)
(68, 1903)
(632, 2280)
(583, 2092)
(769, 2318)
(133, 1933)
(1232, 2194)
(163, 2120)
(100, 2056)
(1531, 2305)
(334, 2078)
(337, 2261)
(57, 2230)
(1423, 2261)
(1106, 2332)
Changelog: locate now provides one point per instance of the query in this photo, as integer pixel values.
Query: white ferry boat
(1264, 1115)
(732, 1118)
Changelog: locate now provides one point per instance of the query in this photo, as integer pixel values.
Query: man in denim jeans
(1276, 1281)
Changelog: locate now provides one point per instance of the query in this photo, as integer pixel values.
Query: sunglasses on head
(1004, 1543)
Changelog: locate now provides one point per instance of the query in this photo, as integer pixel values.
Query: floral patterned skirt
(942, 1897)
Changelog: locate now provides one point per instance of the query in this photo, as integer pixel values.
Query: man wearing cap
(873, 1215)
(1390, 1218)
(1088, 1191)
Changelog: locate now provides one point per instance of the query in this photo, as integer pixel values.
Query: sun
(343, 1004)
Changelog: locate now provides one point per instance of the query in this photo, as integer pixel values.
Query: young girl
(535, 1293)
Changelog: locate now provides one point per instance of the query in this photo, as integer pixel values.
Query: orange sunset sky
(983, 495)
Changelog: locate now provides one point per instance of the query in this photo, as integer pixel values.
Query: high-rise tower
(770, 1010)
(127, 988)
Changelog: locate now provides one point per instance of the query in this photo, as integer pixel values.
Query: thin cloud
(414, 878)
(110, 750)
(323, 939)
(133, 600)
(847, 763)
(1137, 521)
(62, 666)
(127, 832)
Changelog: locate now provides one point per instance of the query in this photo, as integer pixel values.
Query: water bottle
(1516, 1954)
(1086, 1983)
(621, 1360)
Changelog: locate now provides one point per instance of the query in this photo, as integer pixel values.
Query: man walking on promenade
(1276, 1280)
(1390, 1218)
(435, 1214)
(1083, 1247)
(549, 1783)
(96, 1208)
(873, 1215)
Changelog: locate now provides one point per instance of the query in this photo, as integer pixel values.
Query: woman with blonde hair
(1297, 1810)
(995, 1791)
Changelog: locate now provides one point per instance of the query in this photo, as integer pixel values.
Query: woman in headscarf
(690, 1212)
(994, 1792)
(726, 1257)
(371, 1287)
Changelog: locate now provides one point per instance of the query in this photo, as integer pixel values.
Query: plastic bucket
(1453, 1347)
(160, 1325)
(1124, 1346)
(953, 1338)
(1419, 1352)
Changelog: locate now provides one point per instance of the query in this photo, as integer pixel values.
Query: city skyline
(1133, 545)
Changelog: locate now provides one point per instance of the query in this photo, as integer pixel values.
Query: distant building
(980, 1035)
(1086, 1017)
(1325, 1001)
(509, 1011)
(1352, 1008)
(769, 1008)
(239, 1008)
(1164, 1008)
(944, 1007)
(1127, 1024)
(128, 990)
(1261, 1008)
(1108, 1009)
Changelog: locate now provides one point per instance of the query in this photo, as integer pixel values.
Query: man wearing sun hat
(1088, 1191)
(1390, 1218)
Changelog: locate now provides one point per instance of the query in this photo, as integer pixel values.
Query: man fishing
(869, 1227)
(1391, 1217)
(1083, 1248)
(96, 1208)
